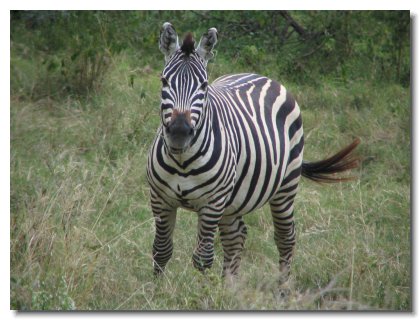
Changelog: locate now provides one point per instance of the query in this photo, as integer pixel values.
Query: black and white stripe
(246, 151)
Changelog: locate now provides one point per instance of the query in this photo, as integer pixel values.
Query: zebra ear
(207, 43)
(168, 40)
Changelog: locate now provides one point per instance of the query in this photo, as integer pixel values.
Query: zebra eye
(164, 82)
(204, 86)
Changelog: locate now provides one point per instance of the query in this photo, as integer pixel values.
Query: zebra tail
(325, 170)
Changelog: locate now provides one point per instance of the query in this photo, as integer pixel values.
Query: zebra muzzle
(179, 132)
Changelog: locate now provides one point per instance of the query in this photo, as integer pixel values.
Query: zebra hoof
(157, 273)
(200, 264)
(157, 270)
(282, 293)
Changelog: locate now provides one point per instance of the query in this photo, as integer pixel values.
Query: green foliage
(61, 53)
(70, 50)
(251, 56)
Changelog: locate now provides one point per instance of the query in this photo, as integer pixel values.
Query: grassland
(82, 230)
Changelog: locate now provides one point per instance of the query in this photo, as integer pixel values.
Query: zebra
(224, 150)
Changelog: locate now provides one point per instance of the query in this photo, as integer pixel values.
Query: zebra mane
(188, 44)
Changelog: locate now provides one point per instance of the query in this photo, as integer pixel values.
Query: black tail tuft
(324, 170)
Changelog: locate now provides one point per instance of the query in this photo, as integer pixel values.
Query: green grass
(82, 229)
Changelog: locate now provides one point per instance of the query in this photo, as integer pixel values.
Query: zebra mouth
(177, 150)
(175, 145)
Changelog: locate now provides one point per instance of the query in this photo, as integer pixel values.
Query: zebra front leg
(163, 244)
(207, 227)
(233, 234)
(284, 232)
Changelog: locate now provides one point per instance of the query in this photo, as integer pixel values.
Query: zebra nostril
(180, 127)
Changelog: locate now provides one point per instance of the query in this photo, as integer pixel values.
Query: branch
(292, 22)
(313, 50)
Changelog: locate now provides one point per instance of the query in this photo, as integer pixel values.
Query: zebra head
(184, 86)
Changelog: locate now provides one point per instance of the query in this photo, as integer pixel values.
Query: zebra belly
(254, 193)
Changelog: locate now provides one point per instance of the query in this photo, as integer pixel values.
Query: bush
(70, 52)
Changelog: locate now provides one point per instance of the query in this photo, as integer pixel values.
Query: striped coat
(224, 150)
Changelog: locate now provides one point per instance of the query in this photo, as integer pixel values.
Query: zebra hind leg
(233, 234)
(284, 229)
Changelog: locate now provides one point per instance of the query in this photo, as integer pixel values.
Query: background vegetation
(84, 110)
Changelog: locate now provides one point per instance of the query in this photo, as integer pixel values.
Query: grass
(82, 229)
